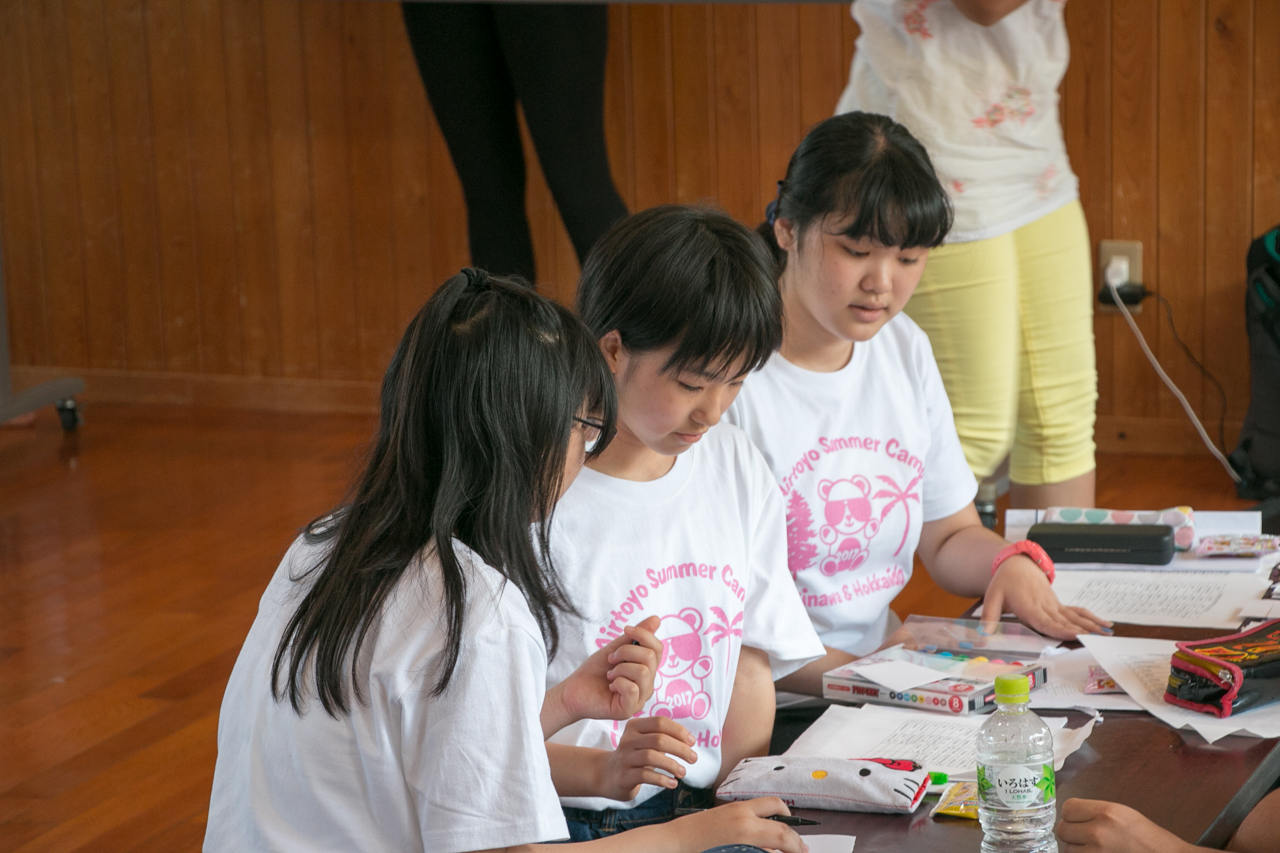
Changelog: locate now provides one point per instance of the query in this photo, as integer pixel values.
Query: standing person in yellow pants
(1007, 302)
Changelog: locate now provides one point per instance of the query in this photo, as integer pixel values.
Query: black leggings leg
(467, 81)
(475, 60)
(556, 53)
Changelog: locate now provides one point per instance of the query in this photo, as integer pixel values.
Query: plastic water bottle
(1016, 789)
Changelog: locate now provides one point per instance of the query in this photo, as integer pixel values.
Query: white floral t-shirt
(703, 547)
(982, 100)
(862, 456)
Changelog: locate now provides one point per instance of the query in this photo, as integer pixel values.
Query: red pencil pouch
(1226, 675)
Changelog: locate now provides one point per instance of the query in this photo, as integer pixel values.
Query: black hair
(686, 276)
(477, 408)
(869, 173)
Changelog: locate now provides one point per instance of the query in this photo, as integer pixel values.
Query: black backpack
(1257, 457)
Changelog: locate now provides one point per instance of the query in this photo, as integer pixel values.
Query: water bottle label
(1016, 786)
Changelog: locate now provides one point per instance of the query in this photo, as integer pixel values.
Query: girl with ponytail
(391, 694)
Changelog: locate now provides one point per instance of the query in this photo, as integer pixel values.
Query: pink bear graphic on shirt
(848, 514)
(678, 687)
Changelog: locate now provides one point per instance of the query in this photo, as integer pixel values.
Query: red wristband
(1032, 550)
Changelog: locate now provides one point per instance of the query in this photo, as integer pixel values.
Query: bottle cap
(1013, 688)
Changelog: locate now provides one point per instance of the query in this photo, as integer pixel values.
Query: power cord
(1222, 394)
(1117, 274)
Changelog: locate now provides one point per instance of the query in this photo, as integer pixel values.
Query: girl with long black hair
(391, 693)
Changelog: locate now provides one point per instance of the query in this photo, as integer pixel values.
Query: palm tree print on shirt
(897, 496)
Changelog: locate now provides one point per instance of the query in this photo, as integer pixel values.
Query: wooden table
(1198, 791)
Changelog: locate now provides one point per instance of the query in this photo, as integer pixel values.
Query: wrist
(555, 714)
(1031, 551)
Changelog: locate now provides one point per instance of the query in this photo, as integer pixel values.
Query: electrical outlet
(1108, 249)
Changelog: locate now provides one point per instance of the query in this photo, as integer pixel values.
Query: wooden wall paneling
(21, 241)
(619, 116)
(694, 103)
(135, 175)
(1228, 193)
(823, 72)
(1180, 247)
(221, 323)
(1086, 125)
(651, 97)
(1134, 185)
(293, 211)
(105, 324)
(175, 192)
(1266, 116)
(60, 194)
(737, 122)
(777, 96)
(249, 128)
(410, 165)
(331, 191)
(369, 134)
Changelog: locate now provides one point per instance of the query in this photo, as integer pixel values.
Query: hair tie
(476, 277)
(771, 210)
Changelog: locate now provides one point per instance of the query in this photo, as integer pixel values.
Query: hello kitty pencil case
(1225, 675)
(836, 784)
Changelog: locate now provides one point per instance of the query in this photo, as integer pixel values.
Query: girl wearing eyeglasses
(391, 694)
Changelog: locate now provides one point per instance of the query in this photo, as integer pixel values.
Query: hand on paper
(1096, 826)
(739, 823)
(612, 684)
(647, 746)
(1019, 586)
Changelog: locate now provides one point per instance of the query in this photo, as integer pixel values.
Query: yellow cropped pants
(1011, 323)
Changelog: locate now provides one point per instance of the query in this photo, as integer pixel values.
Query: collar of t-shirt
(830, 382)
(641, 492)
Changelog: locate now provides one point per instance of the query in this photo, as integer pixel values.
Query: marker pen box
(1226, 675)
(1143, 544)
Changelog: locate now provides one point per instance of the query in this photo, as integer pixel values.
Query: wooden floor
(132, 556)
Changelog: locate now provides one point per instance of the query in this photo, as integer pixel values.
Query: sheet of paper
(1264, 609)
(941, 743)
(1018, 521)
(1192, 599)
(1141, 667)
(898, 674)
(830, 843)
(1064, 688)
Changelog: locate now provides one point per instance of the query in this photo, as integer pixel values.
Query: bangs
(687, 278)
(894, 204)
(726, 336)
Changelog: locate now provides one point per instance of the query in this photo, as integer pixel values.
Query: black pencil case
(1143, 544)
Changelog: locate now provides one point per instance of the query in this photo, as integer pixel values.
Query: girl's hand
(646, 747)
(612, 684)
(1020, 586)
(1096, 826)
(739, 823)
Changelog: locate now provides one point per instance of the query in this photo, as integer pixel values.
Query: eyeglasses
(591, 430)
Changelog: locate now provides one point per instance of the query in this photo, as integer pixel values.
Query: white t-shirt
(982, 100)
(406, 772)
(863, 456)
(703, 547)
